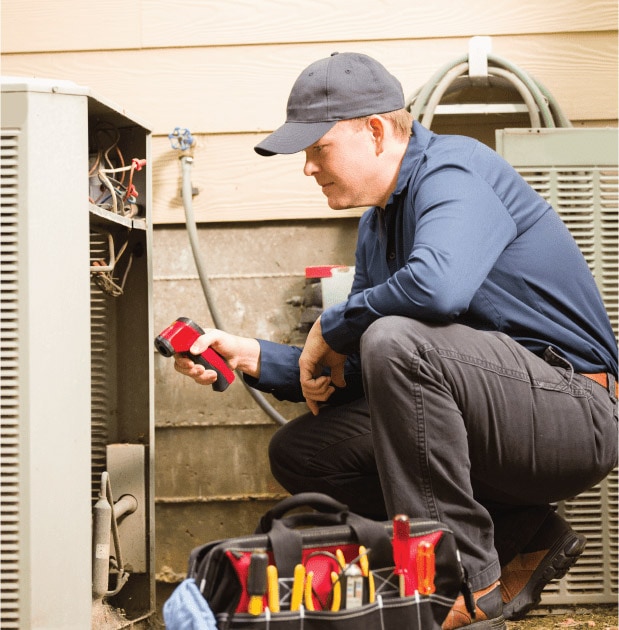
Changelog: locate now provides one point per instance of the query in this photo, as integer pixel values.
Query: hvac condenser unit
(575, 169)
(76, 359)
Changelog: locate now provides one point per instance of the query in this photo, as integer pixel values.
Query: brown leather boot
(524, 578)
(488, 611)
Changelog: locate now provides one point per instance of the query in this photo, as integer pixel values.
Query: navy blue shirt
(463, 238)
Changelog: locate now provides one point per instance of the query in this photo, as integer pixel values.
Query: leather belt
(602, 379)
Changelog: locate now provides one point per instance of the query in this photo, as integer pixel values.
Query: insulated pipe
(192, 231)
(105, 523)
(102, 525)
(127, 504)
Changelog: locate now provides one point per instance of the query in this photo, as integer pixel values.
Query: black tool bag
(316, 539)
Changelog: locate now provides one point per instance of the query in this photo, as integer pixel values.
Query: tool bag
(329, 543)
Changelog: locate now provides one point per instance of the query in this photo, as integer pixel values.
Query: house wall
(223, 69)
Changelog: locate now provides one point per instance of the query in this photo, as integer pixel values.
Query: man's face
(344, 163)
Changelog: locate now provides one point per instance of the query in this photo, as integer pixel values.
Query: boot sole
(488, 624)
(557, 562)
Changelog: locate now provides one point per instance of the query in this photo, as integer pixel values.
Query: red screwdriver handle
(401, 549)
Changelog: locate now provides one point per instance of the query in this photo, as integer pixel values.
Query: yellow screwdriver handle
(297, 587)
(309, 600)
(336, 600)
(365, 570)
(273, 588)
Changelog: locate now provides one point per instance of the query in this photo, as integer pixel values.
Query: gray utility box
(75, 356)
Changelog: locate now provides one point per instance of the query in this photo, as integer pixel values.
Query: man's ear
(376, 126)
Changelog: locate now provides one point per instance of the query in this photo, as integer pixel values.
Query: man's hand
(316, 355)
(241, 353)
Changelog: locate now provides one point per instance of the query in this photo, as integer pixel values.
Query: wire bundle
(102, 270)
(108, 165)
(110, 171)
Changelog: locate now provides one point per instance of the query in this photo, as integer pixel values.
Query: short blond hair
(401, 120)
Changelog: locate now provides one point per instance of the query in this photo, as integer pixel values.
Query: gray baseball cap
(340, 87)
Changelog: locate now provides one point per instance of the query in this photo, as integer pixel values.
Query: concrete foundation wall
(212, 473)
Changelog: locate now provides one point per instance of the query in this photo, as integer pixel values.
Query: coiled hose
(543, 110)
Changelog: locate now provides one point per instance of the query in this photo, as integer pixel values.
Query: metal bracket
(479, 47)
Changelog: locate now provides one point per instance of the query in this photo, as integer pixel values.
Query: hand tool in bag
(426, 567)
(311, 539)
(273, 588)
(336, 597)
(353, 593)
(298, 585)
(353, 580)
(307, 591)
(178, 338)
(339, 554)
(257, 582)
(364, 563)
(401, 549)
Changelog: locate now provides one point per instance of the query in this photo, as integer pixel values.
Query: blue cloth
(462, 239)
(186, 609)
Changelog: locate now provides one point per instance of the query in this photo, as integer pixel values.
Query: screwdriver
(273, 588)
(336, 601)
(364, 563)
(340, 558)
(297, 587)
(426, 566)
(401, 549)
(309, 600)
(257, 581)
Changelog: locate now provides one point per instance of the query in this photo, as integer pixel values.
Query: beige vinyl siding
(43, 26)
(223, 69)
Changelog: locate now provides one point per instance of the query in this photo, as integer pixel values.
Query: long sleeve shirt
(463, 238)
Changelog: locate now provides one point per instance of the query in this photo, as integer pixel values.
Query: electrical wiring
(102, 271)
(110, 170)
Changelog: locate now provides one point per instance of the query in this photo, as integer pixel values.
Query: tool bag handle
(286, 542)
(321, 502)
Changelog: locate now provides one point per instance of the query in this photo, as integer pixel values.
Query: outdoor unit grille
(75, 364)
(576, 171)
(102, 395)
(44, 447)
(9, 407)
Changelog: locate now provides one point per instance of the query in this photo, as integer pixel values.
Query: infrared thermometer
(179, 336)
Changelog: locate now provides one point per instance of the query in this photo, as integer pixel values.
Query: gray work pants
(458, 425)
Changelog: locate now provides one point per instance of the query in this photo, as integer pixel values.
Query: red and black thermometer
(179, 336)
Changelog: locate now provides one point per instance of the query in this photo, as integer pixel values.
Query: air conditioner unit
(76, 362)
(576, 170)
